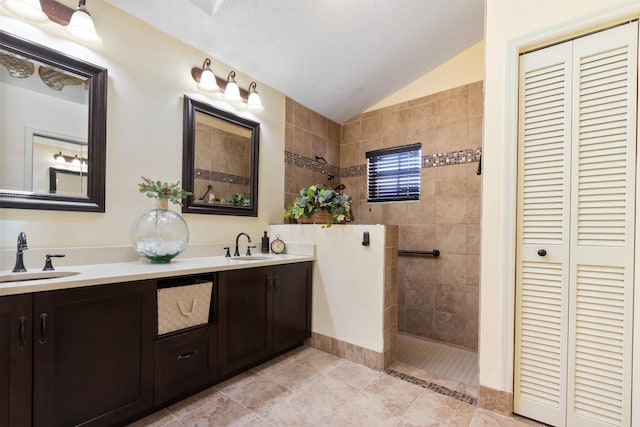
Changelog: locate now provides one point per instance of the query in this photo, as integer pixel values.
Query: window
(393, 174)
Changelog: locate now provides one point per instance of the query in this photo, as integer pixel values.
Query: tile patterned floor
(307, 387)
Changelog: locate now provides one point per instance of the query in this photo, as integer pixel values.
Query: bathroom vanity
(85, 349)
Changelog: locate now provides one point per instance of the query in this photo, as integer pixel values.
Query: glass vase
(160, 234)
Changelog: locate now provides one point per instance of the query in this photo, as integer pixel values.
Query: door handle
(43, 328)
(22, 341)
(542, 252)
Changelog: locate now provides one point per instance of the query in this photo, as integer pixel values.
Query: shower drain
(446, 391)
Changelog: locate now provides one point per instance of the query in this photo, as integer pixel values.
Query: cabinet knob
(542, 252)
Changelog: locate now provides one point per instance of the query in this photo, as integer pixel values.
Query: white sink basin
(250, 258)
(36, 275)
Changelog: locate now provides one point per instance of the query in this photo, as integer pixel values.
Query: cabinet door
(15, 360)
(93, 354)
(291, 305)
(244, 317)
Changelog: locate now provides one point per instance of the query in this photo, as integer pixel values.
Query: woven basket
(315, 218)
(181, 307)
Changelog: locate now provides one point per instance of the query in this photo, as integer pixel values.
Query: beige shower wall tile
(473, 239)
(473, 270)
(417, 237)
(302, 116)
(450, 268)
(474, 209)
(450, 209)
(474, 138)
(319, 125)
(367, 213)
(451, 136)
(349, 154)
(451, 238)
(289, 110)
(351, 132)
(334, 132)
(372, 127)
(476, 100)
(454, 105)
(303, 142)
(450, 180)
(289, 135)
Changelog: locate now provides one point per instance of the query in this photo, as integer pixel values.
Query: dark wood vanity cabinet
(262, 311)
(93, 354)
(92, 351)
(15, 360)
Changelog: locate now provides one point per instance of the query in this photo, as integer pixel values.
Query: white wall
(348, 280)
(510, 24)
(149, 72)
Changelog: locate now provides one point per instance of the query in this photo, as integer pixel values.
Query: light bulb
(207, 81)
(232, 91)
(253, 102)
(81, 26)
(27, 9)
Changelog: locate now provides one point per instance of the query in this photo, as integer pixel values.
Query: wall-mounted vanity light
(77, 22)
(74, 161)
(253, 102)
(207, 81)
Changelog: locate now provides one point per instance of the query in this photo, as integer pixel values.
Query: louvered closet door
(577, 166)
(543, 224)
(602, 205)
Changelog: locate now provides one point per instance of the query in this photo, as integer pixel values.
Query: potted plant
(320, 204)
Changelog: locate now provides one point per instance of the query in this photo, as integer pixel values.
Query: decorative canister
(160, 234)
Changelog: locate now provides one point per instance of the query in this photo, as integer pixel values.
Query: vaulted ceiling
(337, 57)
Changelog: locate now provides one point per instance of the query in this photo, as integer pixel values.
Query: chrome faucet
(237, 252)
(22, 246)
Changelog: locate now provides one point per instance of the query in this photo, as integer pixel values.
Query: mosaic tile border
(446, 391)
(221, 177)
(311, 164)
(428, 161)
(452, 158)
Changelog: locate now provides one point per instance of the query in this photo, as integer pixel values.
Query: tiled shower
(438, 298)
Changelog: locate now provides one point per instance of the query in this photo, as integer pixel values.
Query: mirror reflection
(223, 162)
(52, 129)
(220, 161)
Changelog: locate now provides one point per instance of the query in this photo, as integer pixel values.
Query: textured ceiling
(337, 57)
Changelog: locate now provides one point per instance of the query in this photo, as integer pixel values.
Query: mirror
(53, 110)
(220, 161)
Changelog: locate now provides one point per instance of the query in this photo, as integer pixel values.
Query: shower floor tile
(440, 359)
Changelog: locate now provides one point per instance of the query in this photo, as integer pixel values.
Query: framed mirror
(220, 161)
(53, 111)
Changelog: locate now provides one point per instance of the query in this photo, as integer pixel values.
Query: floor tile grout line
(445, 391)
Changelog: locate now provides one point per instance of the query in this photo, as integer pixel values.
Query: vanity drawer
(185, 362)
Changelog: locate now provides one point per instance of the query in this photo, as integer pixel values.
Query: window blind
(393, 174)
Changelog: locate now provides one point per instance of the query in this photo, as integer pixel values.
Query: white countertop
(100, 274)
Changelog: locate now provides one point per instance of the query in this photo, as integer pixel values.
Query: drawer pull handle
(23, 341)
(184, 311)
(187, 355)
(43, 328)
